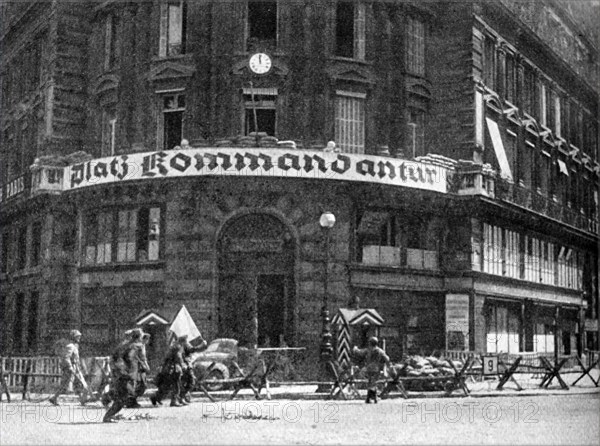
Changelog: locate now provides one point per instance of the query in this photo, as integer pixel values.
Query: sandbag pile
(425, 367)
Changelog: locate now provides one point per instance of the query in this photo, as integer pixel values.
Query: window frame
(252, 40)
(264, 99)
(161, 127)
(416, 40)
(114, 237)
(343, 133)
(165, 45)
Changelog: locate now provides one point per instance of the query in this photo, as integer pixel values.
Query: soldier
(375, 359)
(169, 378)
(142, 383)
(117, 367)
(135, 362)
(70, 366)
(188, 379)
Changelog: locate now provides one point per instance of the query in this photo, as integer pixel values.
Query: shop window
(172, 120)
(415, 46)
(350, 30)
(36, 243)
(350, 121)
(416, 132)
(262, 23)
(22, 247)
(544, 338)
(32, 326)
(260, 110)
(173, 24)
(377, 238)
(502, 329)
(421, 236)
(109, 129)
(110, 42)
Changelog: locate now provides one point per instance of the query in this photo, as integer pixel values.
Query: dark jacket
(373, 357)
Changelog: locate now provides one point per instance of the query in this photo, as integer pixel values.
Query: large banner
(259, 163)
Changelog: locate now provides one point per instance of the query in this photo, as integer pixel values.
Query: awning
(562, 167)
(499, 149)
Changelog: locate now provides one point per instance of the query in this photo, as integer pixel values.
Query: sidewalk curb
(312, 396)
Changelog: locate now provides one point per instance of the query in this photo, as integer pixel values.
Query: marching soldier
(71, 367)
(188, 378)
(375, 359)
(169, 378)
(134, 363)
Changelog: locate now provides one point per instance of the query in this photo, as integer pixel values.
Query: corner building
(160, 153)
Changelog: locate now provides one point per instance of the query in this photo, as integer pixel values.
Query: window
(173, 21)
(5, 253)
(416, 132)
(110, 30)
(98, 238)
(350, 30)
(18, 322)
(32, 326)
(557, 115)
(109, 129)
(22, 247)
(415, 47)
(489, 62)
(262, 23)
(350, 122)
(36, 243)
(510, 83)
(529, 91)
(260, 112)
(550, 114)
(376, 235)
(173, 108)
(135, 236)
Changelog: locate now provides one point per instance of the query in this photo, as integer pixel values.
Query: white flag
(183, 324)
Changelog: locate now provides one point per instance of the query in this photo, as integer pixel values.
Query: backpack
(60, 347)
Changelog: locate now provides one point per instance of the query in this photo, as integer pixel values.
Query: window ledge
(159, 264)
(351, 60)
(395, 268)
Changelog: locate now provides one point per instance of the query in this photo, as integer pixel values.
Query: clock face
(260, 63)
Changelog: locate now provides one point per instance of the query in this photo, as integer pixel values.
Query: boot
(368, 400)
(110, 413)
(374, 394)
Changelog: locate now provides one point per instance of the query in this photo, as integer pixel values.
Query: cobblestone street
(570, 419)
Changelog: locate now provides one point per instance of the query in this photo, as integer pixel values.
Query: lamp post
(327, 221)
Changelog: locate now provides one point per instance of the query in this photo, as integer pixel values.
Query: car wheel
(212, 376)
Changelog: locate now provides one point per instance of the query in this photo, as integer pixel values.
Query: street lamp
(327, 221)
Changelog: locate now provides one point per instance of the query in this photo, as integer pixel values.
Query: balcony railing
(527, 198)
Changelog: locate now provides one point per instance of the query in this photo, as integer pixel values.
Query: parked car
(222, 351)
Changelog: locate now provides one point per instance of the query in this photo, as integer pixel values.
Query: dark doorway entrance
(256, 282)
(270, 293)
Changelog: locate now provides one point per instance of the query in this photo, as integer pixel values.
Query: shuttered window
(350, 122)
(415, 47)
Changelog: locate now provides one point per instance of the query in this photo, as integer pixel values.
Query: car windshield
(221, 345)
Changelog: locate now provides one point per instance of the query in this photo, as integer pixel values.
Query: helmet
(74, 334)
(136, 333)
(146, 336)
(373, 341)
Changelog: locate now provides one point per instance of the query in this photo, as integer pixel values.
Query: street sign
(490, 365)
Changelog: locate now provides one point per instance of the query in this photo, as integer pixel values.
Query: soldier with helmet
(188, 379)
(169, 378)
(375, 359)
(68, 351)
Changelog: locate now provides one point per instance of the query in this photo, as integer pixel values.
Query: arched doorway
(256, 281)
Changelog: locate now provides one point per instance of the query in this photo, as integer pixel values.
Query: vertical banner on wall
(457, 321)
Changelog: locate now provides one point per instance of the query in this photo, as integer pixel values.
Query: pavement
(478, 388)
